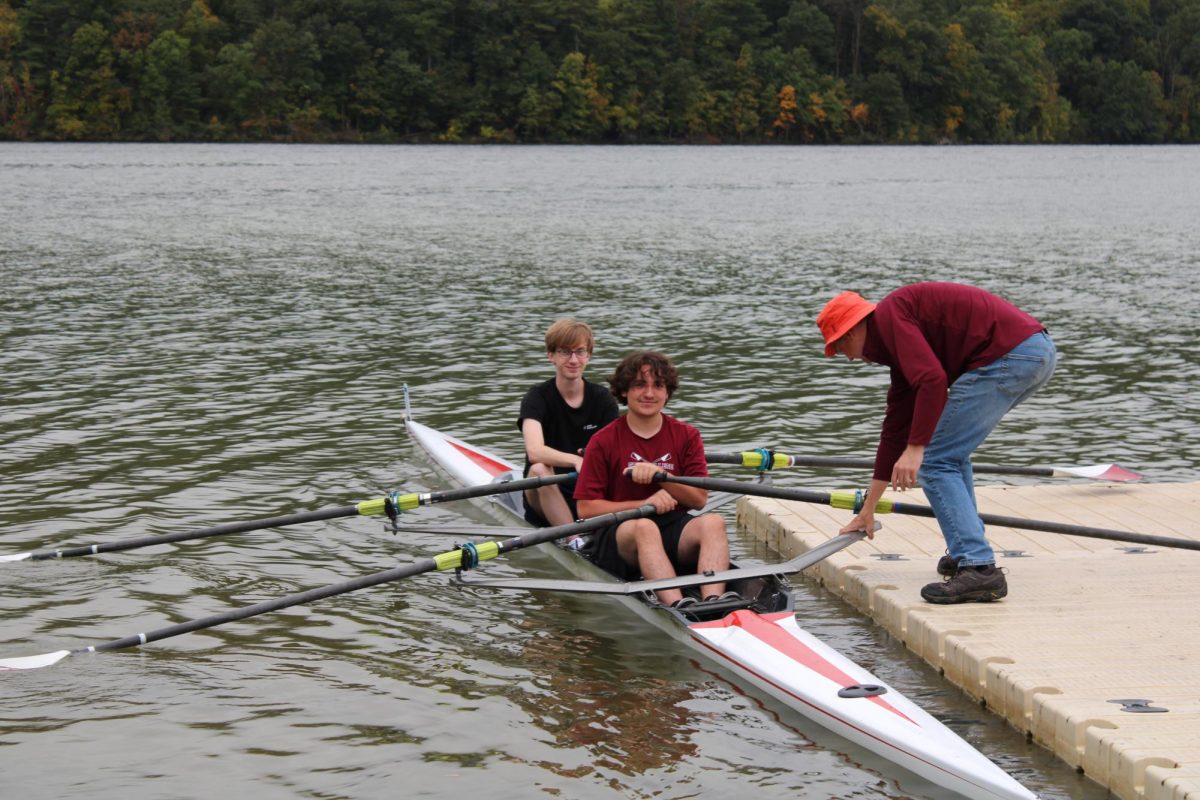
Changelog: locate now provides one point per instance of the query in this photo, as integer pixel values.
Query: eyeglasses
(578, 352)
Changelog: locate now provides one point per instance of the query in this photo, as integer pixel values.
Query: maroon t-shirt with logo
(676, 448)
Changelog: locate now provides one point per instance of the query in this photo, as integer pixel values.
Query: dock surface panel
(1086, 622)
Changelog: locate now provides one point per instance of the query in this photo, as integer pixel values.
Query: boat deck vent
(862, 690)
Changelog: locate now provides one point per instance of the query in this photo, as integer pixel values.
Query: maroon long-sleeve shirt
(929, 334)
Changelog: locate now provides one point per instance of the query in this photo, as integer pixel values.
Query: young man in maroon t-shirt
(643, 442)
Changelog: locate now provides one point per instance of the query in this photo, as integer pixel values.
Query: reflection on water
(629, 728)
(191, 335)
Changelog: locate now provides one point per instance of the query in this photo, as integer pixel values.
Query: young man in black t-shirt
(557, 419)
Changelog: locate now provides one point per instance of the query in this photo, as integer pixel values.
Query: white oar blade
(16, 557)
(1101, 472)
(33, 662)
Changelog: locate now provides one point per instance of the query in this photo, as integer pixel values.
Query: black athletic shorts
(537, 520)
(606, 556)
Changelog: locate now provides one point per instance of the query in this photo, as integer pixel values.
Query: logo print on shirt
(663, 462)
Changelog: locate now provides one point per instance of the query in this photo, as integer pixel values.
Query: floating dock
(1095, 653)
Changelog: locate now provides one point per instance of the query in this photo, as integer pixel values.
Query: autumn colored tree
(787, 71)
(785, 118)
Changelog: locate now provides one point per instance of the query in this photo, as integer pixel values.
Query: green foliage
(786, 71)
(86, 98)
(580, 108)
(170, 94)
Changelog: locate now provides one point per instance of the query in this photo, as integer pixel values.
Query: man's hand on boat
(863, 522)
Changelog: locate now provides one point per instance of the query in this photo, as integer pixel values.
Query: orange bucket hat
(840, 315)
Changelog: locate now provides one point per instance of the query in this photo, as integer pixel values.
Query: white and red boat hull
(772, 652)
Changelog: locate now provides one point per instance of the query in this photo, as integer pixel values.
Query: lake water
(196, 334)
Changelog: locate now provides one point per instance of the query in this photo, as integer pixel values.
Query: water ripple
(191, 335)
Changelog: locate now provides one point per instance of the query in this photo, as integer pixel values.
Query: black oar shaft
(401, 502)
(866, 463)
(218, 530)
(444, 561)
(267, 606)
(1003, 469)
(758, 489)
(1060, 527)
(839, 500)
(461, 530)
(498, 488)
(789, 461)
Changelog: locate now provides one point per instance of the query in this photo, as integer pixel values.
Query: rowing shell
(762, 643)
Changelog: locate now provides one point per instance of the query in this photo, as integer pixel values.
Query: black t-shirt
(565, 428)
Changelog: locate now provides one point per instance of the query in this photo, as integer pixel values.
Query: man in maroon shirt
(960, 359)
(643, 442)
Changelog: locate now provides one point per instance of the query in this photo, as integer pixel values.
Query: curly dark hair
(630, 369)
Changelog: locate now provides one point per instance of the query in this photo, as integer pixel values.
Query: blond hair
(566, 333)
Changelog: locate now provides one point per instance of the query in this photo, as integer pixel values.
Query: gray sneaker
(968, 585)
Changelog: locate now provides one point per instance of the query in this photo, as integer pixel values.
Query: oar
(797, 564)
(463, 530)
(390, 505)
(756, 459)
(465, 557)
(852, 501)
(715, 501)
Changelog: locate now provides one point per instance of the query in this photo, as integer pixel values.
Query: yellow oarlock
(404, 502)
(452, 559)
(754, 459)
(851, 500)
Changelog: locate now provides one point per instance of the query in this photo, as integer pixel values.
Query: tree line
(595, 71)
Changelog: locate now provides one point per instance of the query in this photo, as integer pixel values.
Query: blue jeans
(975, 405)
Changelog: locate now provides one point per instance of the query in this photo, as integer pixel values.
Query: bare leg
(706, 543)
(640, 544)
(548, 500)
